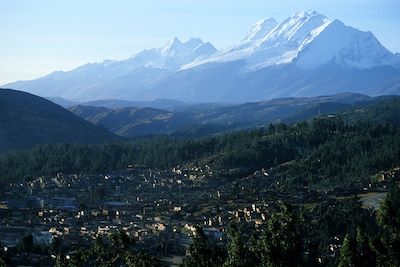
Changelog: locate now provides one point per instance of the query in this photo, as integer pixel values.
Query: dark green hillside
(382, 109)
(27, 120)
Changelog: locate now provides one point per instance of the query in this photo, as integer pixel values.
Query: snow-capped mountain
(260, 29)
(307, 54)
(173, 55)
(345, 46)
(114, 79)
(308, 38)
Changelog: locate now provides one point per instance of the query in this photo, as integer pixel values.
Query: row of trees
(118, 249)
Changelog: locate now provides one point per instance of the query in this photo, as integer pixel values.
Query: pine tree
(365, 255)
(347, 257)
(239, 254)
(280, 243)
(202, 253)
(389, 220)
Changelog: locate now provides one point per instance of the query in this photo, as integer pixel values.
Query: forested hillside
(327, 151)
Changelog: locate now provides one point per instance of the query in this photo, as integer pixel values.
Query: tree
(121, 242)
(60, 261)
(280, 243)
(140, 260)
(365, 255)
(389, 220)
(347, 257)
(239, 255)
(201, 253)
(357, 251)
(80, 258)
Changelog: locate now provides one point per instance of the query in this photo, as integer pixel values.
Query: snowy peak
(176, 46)
(171, 46)
(268, 43)
(297, 29)
(193, 43)
(346, 46)
(173, 54)
(260, 29)
(308, 39)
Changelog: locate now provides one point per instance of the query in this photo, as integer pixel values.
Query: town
(159, 208)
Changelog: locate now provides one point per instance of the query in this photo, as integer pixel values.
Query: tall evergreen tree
(202, 253)
(239, 255)
(347, 257)
(280, 243)
(389, 220)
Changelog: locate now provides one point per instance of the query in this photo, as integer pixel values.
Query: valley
(158, 191)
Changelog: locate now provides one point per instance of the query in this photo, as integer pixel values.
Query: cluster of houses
(160, 208)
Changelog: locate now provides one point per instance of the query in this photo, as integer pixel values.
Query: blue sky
(40, 36)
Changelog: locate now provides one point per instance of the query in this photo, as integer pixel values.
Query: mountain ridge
(134, 121)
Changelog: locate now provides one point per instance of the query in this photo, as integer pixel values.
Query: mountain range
(202, 120)
(305, 55)
(167, 104)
